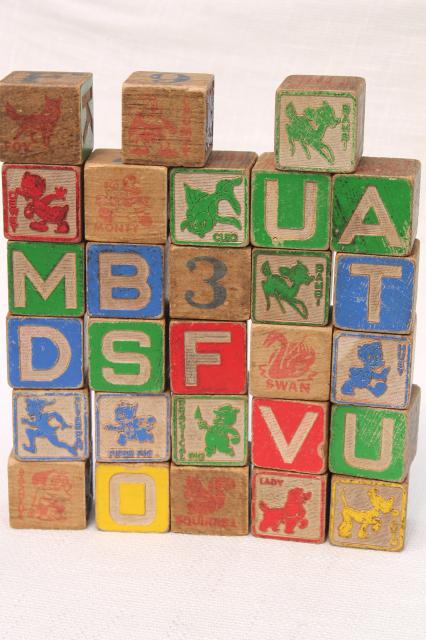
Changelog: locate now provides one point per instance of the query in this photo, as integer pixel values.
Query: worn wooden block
(45, 353)
(168, 118)
(51, 425)
(208, 357)
(132, 497)
(290, 362)
(374, 443)
(124, 202)
(291, 287)
(209, 283)
(211, 500)
(126, 355)
(46, 279)
(49, 495)
(46, 117)
(372, 369)
(125, 280)
(210, 430)
(368, 514)
(42, 203)
(289, 209)
(210, 206)
(289, 506)
(319, 123)
(290, 435)
(132, 427)
(375, 210)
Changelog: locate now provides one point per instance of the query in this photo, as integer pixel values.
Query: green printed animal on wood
(221, 434)
(309, 129)
(284, 286)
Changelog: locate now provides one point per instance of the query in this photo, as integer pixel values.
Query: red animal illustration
(150, 130)
(203, 499)
(291, 514)
(36, 127)
(124, 194)
(289, 359)
(52, 495)
(39, 205)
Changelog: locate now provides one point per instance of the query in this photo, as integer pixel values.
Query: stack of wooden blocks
(180, 390)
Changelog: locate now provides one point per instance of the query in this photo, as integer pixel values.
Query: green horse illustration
(284, 286)
(202, 213)
(309, 129)
(221, 434)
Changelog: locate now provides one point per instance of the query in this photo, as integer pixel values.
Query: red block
(290, 435)
(208, 357)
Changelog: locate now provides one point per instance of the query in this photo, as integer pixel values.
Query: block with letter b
(125, 280)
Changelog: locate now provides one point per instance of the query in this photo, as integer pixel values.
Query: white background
(88, 584)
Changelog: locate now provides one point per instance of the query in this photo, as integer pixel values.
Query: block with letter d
(125, 280)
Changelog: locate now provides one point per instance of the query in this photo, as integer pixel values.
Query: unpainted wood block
(125, 280)
(42, 203)
(208, 357)
(132, 497)
(291, 287)
(375, 209)
(290, 435)
(51, 425)
(126, 355)
(376, 293)
(209, 283)
(289, 209)
(132, 427)
(210, 500)
(45, 353)
(211, 206)
(46, 117)
(372, 369)
(319, 123)
(374, 443)
(289, 506)
(291, 362)
(167, 118)
(124, 202)
(49, 495)
(210, 430)
(46, 279)
(368, 514)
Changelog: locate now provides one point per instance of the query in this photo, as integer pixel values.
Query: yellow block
(132, 497)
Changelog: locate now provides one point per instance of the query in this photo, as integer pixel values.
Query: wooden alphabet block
(319, 123)
(289, 209)
(46, 117)
(291, 287)
(132, 427)
(46, 279)
(208, 357)
(290, 362)
(374, 443)
(290, 435)
(376, 293)
(51, 425)
(289, 506)
(210, 430)
(42, 203)
(168, 118)
(368, 514)
(126, 355)
(45, 353)
(124, 202)
(375, 210)
(372, 369)
(49, 495)
(125, 280)
(132, 497)
(209, 283)
(211, 500)
(210, 206)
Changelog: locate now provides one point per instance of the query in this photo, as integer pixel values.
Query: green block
(46, 278)
(126, 355)
(374, 443)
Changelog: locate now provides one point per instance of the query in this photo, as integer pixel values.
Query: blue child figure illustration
(372, 376)
(130, 427)
(44, 425)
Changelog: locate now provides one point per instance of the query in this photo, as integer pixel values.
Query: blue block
(45, 353)
(125, 280)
